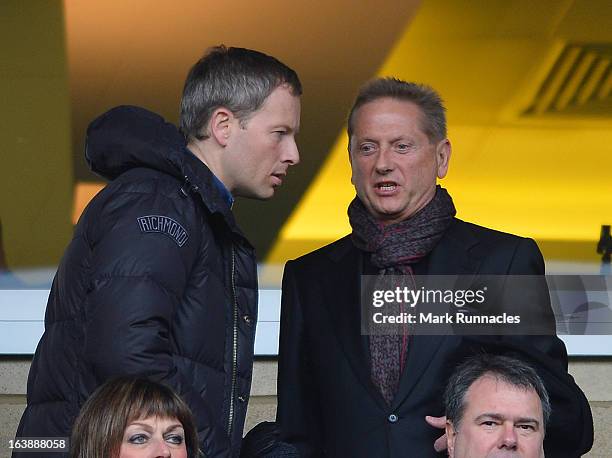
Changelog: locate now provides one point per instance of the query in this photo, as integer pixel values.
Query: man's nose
(384, 163)
(291, 155)
(509, 439)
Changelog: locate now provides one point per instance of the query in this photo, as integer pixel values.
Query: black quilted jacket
(158, 280)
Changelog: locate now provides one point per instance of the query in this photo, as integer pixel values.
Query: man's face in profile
(394, 163)
(262, 147)
(500, 421)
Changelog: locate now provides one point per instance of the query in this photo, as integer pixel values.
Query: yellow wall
(547, 177)
(35, 157)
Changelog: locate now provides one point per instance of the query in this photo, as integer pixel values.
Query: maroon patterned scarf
(394, 248)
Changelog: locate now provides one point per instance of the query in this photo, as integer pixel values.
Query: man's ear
(443, 154)
(450, 439)
(220, 125)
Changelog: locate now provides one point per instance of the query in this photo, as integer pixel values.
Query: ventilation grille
(579, 83)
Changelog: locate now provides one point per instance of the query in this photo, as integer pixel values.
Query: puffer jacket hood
(126, 137)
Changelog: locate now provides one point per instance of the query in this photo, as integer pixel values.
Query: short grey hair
(509, 370)
(428, 100)
(235, 78)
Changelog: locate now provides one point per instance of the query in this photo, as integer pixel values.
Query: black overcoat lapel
(343, 287)
(452, 256)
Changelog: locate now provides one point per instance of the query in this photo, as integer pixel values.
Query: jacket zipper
(234, 348)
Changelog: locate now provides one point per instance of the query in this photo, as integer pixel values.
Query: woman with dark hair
(132, 417)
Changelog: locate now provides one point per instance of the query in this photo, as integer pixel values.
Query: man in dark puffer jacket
(158, 279)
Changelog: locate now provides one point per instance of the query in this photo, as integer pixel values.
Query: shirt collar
(225, 194)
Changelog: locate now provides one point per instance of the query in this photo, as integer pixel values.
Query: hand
(438, 422)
